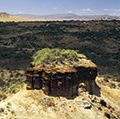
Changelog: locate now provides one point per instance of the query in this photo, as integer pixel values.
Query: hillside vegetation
(10, 82)
(98, 40)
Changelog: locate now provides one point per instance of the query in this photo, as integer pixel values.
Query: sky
(46, 7)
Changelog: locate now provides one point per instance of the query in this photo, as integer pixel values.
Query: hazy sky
(41, 7)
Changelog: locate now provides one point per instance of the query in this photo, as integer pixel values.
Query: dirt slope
(34, 104)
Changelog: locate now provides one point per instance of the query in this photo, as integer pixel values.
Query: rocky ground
(34, 104)
(19, 103)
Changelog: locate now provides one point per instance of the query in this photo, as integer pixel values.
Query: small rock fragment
(103, 103)
(107, 115)
(100, 108)
(87, 105)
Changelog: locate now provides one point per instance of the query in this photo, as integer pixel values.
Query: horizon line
(99, 14)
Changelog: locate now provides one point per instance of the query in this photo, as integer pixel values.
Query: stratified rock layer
(63, 81)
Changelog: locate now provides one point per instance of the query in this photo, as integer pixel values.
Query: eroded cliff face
(63, 84)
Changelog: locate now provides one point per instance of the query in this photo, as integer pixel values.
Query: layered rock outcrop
(63, 81)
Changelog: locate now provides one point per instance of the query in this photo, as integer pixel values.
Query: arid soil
(34, 104)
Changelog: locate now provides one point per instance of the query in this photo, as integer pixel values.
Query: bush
(54, 56)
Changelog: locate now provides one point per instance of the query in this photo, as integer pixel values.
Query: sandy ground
(34, 104)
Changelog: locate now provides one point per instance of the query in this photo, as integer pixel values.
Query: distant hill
(6, 17)
(71, 16)
(4, 14)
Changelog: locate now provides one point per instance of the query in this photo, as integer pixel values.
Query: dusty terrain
(35, 105)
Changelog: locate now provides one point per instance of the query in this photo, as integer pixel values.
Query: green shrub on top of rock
(52, 57)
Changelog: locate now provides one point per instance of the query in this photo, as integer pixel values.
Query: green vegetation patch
(52, 57)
